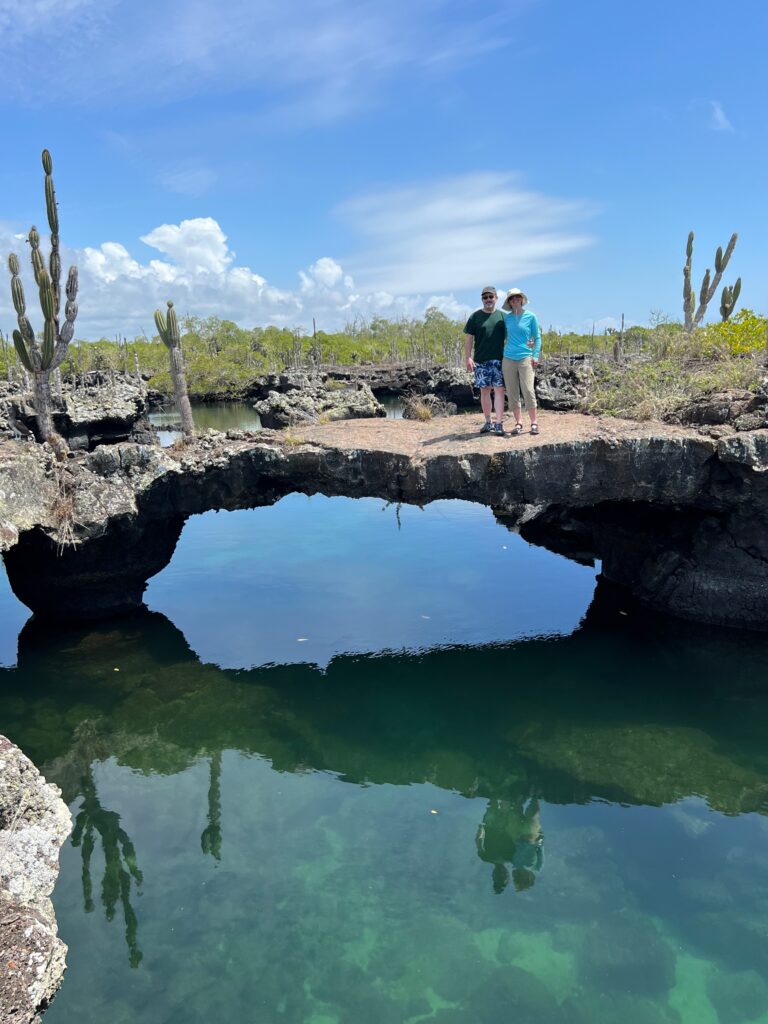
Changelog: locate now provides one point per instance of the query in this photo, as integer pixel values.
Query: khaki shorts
(518, 379)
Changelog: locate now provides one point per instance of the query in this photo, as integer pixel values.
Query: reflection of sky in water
(13, 615)
(312, 577)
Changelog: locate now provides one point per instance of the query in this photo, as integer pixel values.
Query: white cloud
(462, 233)
(198, 246)
(719, 122)
(423, 246)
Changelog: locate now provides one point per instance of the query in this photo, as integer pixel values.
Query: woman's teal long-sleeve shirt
(520, 330)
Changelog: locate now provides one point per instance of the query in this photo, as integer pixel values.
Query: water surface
(365, 763)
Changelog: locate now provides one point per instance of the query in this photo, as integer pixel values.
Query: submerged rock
(628, 954)
(34, 823)
(595, 1007)
(738, 996)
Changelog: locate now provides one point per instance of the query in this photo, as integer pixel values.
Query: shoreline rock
(34, 823)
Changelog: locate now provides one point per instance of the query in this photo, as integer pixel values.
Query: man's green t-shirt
(489, 333)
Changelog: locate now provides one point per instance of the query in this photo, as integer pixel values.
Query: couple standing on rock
(507, 346)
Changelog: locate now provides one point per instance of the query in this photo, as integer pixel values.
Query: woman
(521, 356)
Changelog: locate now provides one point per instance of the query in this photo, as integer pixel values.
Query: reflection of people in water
(510, 834)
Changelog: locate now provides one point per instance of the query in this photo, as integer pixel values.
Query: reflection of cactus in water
(210, 840)
(120, 862)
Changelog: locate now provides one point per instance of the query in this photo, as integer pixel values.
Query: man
(486, 332)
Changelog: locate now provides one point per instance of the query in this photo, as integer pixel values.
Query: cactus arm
(728, 300)
(688, 301)
(70, 313)
(37, 260)
(52, 212)
(704, 287)
(21, 351)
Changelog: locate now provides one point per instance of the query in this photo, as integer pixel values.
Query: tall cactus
(692, 314)
(728, 300)
(41, 358)
(168, 329)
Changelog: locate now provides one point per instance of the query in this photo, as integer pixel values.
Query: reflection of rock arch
(594, 725)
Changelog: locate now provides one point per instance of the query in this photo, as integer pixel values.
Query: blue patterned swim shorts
(489, 375)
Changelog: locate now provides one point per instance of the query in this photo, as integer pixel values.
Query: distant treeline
(221, 357)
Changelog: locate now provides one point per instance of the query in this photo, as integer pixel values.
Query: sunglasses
(487, 295)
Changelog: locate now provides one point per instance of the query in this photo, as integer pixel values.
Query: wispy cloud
(114, 51)
(458, 233)
(189, 181)
(719, 121)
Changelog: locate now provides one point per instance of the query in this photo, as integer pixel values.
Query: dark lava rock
(98, 408)
(562, 387)
(745, 410)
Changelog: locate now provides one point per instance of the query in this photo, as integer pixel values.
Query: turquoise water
(365, 763)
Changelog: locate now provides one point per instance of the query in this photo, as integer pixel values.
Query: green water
(359, 764)
(233, 416)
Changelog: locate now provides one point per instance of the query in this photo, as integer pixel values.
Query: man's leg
(485, 403)
(498, 404)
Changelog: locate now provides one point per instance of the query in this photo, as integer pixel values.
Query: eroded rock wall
(34, 823)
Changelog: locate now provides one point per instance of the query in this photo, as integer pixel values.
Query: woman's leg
(509, 368)
(526, 386)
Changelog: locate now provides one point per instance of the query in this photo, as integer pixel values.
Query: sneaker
(517, 430)
(534, 428)
(486, 427)
(498, 429)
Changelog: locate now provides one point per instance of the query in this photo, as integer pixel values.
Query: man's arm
(468, 343)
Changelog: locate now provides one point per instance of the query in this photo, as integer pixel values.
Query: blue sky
(271, 162)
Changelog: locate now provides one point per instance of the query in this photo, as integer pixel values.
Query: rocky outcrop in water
(101, 408)
(34, 823)
(315, 398)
